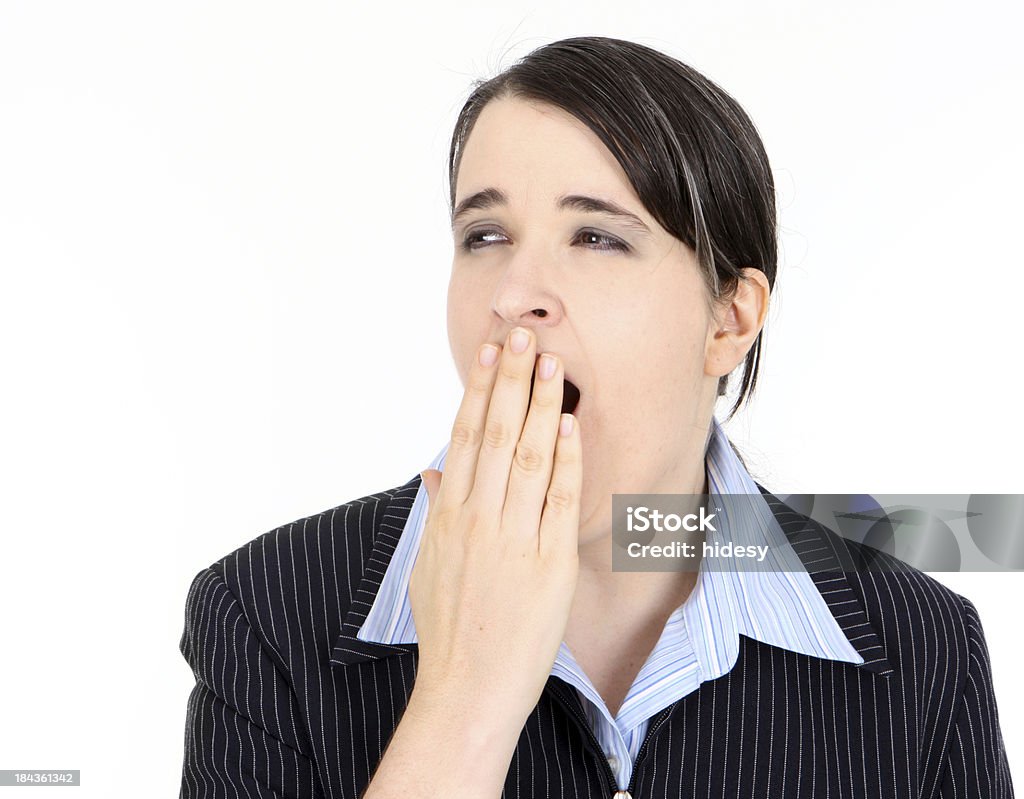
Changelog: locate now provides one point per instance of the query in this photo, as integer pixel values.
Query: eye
(609, 242)
(476, 237)
(593, 240)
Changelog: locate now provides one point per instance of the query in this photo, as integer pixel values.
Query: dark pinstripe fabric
(288, 703)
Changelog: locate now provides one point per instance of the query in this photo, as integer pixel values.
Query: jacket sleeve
(975, 766)
(243, 732)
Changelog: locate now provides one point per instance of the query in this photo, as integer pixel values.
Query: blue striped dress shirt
(777, 605)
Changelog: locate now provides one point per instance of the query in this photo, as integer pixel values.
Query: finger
(468, 428)
(560, 519)
(531, 465)
(505, 415)
(431, 479)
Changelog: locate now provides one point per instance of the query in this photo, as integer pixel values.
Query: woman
(615, 246)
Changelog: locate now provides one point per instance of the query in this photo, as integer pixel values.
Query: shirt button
(622, 795)
(614, 763)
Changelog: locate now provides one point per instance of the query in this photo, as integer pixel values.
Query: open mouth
(570, 394)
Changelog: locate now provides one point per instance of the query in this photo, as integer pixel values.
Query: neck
(607, 599)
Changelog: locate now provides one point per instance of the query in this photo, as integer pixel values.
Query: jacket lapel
(827, 558)
(389, 521)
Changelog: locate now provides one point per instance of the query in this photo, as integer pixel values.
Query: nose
(524, 297)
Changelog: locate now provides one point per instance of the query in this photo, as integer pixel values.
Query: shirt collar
(785, 607)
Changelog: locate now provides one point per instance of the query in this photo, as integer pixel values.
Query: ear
(737, 324)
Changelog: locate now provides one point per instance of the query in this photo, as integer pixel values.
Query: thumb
(432, 482)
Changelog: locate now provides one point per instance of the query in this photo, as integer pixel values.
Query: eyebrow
(489, 198)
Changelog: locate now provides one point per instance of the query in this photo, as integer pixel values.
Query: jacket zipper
(655, 726)
(611, 779)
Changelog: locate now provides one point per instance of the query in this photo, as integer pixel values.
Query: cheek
(659, 372)
(468, 328)
(664, 345)
(682, 335)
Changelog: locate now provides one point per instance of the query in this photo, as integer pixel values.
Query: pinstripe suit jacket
(289, 703)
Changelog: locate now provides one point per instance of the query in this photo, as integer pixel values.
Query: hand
(496, 572)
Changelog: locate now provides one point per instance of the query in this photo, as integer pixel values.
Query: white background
(224, 254)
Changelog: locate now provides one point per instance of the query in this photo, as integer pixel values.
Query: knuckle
(464, 436)
(544, 400)
(474, 526)
(478, 387)
(566, 456)
(529, 459)
(560, 497)
(508, 371)
(496, 434)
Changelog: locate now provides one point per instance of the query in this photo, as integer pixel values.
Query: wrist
(477, 725)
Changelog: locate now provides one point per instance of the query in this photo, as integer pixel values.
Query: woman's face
(623, 299)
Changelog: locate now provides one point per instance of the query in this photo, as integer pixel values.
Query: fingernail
(547, 366)
(488, 355)
(565, 425)
(518, 340)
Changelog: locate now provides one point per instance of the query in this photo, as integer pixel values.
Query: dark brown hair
(691, 153)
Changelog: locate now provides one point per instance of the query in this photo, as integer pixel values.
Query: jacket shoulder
(907, 607)
(915, 613)
(925, 628)
(934, 639)
(299, 577)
